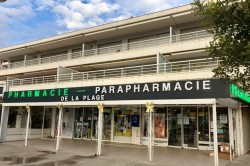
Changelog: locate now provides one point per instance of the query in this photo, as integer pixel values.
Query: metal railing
(143, 44)
(164, 68)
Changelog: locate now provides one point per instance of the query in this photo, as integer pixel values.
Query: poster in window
(159, 125)
(223, 119)
(135, 120)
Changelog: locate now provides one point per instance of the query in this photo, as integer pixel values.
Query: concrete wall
(122, 55)
(207, 74)
(246, 129)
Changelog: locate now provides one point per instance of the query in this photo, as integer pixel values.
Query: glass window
(174, 126)
(47, 118)
(107, 123)
(36, 117)
(94, 122)
(17, 117)
(222, 124)
(78, 123)
(160, 123)
(203, 123)
(122, 124)
(160, 117)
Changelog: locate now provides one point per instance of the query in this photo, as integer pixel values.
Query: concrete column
(100, 128)
(170, 34)
(59, 128)
(69, 54)
(231, 133)
(216, 157)
(95, 46)
(83, 49)
(4, 123)
(27, 126)
(240, 138)
(39, 58)
(124, 45)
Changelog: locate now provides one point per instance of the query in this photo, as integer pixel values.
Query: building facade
(157, 58)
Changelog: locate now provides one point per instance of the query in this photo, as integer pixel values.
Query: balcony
(123, 48)
(144, 70)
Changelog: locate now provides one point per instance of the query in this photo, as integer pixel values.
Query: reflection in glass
(190, 126)
(203, 123)
(122, 124)
(174, 126)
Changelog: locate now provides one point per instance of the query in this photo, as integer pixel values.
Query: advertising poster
(223, 119)
(159, 125)
(135, 120)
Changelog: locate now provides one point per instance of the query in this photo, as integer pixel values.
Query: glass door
(122, 129)
(190, 134)
(78, 123)
(107, 124)
(174, 126)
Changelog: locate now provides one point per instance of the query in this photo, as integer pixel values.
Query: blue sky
(27, 20)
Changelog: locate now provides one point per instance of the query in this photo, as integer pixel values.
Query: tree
(229, 22)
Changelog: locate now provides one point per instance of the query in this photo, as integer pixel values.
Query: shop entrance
(86, 119)
(182, 127)
(86, 123)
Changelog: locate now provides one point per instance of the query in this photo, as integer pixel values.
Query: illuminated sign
(192, 89)
(239, 93)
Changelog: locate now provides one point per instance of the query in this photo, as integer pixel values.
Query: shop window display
(36, 117)
(94, 128)
(47, 118)
(107, 124)
(78, 123)
(222, 125)
(86, 122)
(122, 124)
(203, 123)
(160, 123)
(189, 119)
(174, 126)
(17, 117)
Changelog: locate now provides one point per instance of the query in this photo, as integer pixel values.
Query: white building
(156, 58)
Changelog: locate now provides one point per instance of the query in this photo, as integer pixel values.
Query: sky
(28, 20)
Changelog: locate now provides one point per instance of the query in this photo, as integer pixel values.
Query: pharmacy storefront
(183, 112)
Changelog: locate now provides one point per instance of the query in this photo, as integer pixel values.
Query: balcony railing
(113, 49)
(164, 68)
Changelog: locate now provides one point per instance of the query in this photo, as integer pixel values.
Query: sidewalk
(241, 161)
(80, 152)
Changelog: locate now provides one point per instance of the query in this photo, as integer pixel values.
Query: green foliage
(229, 22)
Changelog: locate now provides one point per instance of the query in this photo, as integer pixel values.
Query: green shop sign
(239, 93)
(39, 93)
(189, 89)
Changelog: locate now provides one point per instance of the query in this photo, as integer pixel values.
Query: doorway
(182, 127)
(85, 126)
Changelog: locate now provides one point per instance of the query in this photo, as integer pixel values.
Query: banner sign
(193, 89)
(239, 93)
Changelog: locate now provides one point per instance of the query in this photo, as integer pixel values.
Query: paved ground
(241, 161)
(79, 152)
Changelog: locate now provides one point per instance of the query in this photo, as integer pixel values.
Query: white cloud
(68, 15)
(76, 14)
(144, 6)
(11, 12)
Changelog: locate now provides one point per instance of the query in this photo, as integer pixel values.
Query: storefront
(183, 112)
